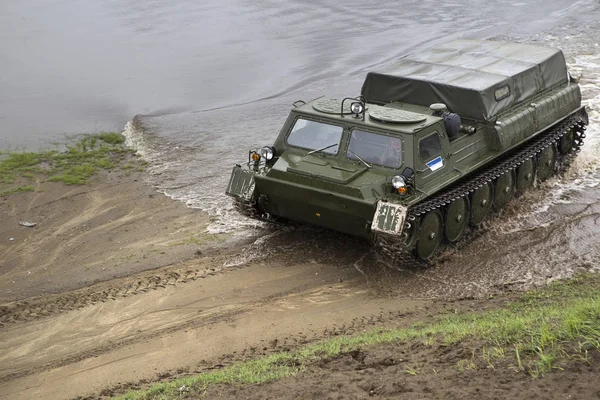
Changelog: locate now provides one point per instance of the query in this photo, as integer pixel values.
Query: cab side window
(430, 147)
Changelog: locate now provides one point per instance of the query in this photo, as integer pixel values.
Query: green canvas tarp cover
(477, 79)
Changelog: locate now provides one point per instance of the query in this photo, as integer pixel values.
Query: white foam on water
(224, 218)
(262, 248)
(134, 139)
(588, 67)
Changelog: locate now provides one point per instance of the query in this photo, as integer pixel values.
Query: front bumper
(241, 183)
(316, 206)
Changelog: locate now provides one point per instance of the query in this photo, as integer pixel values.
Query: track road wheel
(457, 217)
(411, 231)
(504, 190)
(546, 163)
(430, 234)
(481, 204)
(567, 141)
(525, 174)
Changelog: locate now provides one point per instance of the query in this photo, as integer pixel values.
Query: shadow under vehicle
(434, 143)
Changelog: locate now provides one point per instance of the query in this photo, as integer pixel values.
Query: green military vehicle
(434, 143)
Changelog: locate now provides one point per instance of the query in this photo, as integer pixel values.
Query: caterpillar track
(402, 251)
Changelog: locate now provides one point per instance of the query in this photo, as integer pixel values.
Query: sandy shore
(114, 227)
(117, 286)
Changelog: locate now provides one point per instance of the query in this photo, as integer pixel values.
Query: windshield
(374, 148)
(314, 135)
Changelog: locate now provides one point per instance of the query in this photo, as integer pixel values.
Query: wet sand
(118, 285)
(114, 227)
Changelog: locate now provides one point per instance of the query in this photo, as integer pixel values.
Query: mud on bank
(86, 216)
(544, 343)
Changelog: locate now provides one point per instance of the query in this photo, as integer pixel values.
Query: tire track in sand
(44, 306)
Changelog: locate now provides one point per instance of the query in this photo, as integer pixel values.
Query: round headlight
(356, 108)
(398, 182)
(267, 153)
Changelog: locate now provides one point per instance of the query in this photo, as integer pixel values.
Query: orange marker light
(402, 190)
(255, 157)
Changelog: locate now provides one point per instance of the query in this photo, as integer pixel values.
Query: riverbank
(61, 230)
(541, 344)
(116, 287)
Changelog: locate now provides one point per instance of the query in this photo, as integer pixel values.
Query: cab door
(433, 159)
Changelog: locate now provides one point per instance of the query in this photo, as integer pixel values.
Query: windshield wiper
(360, 159)
(321, 149)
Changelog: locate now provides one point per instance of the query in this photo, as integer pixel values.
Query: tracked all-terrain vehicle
(433, 144)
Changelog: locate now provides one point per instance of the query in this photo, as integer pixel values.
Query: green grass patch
(76, 174)
(545, 327)
(15, 164)
(76, 165)
(18, 189)
(111, 137)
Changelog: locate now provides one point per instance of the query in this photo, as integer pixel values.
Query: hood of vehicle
(328, 169)
(328, 174)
